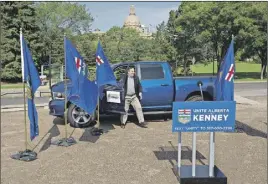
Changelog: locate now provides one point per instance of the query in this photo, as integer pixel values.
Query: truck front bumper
(56, 107)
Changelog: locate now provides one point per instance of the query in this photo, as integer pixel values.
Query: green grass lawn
(240, 67)
(11, 86)
(244, 71)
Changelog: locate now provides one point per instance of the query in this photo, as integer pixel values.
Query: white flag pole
(23, 81)
(22, 57)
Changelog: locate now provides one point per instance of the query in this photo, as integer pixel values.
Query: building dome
(132, 21)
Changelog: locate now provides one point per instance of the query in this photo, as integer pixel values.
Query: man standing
(133, 95)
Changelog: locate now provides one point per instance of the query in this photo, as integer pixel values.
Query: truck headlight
(58, 95)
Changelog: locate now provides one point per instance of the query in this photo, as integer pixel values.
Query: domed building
(132, 21)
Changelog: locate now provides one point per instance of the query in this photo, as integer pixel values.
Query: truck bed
(196, 77)
(186, 86)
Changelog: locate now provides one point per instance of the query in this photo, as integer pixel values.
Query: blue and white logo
(204, 116)
(184, 115)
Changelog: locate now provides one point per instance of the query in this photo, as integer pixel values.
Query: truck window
(151, 71)
(121, 70)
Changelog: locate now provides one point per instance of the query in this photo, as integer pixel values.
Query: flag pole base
(26, 155)
(96, 131)
(184, 175)
(64, 142)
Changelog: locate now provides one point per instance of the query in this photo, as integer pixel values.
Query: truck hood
(59, 87)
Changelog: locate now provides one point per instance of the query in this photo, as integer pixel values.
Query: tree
(182, 26)
(209, 26)
(57, 18)
(16, 15)
(255, 35)
(162, 44)
(87, 45)
(125, 44)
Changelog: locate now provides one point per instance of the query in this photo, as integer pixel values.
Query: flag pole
(25, 123)
(24, 97)
(65, 89)
(27, 154)
(97, 131)
(66, 141)
(98, 124)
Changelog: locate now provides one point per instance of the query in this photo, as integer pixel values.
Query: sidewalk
(263, 81)
(18, 92)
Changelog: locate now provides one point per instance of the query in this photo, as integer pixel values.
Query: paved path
(251, 89)
(132, 155)
(252, 85)
(20, 100)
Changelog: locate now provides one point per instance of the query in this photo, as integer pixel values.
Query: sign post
(202, 116)
(179, 151)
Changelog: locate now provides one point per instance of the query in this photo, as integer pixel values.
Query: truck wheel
(195, 98)
(78, 118)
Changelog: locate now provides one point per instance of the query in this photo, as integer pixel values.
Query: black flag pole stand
(26, 155)
(66, 141)
(96, 131)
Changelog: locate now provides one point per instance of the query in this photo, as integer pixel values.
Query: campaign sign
(204, 116)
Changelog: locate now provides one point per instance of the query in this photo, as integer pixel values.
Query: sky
(109, 14)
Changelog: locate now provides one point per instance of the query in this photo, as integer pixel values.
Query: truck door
(119, 71)
(157, 84)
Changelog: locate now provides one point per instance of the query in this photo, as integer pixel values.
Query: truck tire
(196, 98)
(78, 118)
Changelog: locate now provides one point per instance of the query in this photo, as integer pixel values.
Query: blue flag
(104, 72)
(224, 83)
(31, 76)
(76, 69)
(83, 92)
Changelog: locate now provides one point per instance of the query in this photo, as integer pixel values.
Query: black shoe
(123, 126)
(143, 125)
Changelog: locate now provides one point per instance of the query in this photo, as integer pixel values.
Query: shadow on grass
(171, 153)
(106, 124)
(244, 128)
(53, 132)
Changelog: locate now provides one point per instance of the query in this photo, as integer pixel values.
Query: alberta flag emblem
(184, 115)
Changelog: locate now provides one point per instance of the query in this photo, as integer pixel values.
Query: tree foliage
(255, 37)
(199, 30)
(205, 29)
(124, 44)
(43, 25)
(16, 15)
(56, 19)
